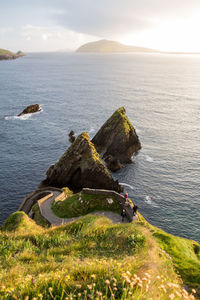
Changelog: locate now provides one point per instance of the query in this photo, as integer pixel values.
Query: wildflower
(89, 287)
(144, 279)
(178, 294)
(128, 280)
(107, 282)
(79, 294)
(171, 296)
(128, 273)
(50, 289)
(93, 276)
(193, 291)
(115, 289)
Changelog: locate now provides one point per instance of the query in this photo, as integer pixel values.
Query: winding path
(46, 212)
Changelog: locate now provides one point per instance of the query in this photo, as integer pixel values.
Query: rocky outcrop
(8, 55)
(20, 53)
(30, 109)
(117, 140)
(71, 136)
(79, 167)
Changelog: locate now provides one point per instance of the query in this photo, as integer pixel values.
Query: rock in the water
(30, 109)
(79, 167)
(117, 138)
(71, 136)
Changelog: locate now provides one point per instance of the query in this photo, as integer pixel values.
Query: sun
(173, 35)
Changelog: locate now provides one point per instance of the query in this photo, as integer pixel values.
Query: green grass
(38, 218)
(82, 204)
(6, 52)
(87, 259)
(185, 254)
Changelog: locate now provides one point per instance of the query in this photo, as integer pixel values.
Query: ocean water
(161, 94)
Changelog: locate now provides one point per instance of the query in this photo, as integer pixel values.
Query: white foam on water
(128, 185)
(149, 158)
(91, 130)
(149, 201)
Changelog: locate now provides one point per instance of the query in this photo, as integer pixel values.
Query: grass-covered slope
(87, 259)
(81, 204)
(6, 54)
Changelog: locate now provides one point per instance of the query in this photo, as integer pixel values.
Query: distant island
(7, 55)
(106, 46)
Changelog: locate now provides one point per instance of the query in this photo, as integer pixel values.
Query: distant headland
(8, 55)
(106, 46)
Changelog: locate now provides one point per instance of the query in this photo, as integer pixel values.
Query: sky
(54, 25)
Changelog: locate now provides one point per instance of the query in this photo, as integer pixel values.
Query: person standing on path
(123, 214)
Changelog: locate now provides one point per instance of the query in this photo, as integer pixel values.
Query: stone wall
(33, 197)
(128, 206)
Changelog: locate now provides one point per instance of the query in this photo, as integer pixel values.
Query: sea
(161, 95)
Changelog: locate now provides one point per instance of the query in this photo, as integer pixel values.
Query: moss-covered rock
(81, 166)
(33, 108)
(117, 139)
(17, 221)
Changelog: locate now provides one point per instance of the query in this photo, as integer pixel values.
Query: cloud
(114, 18)
(45, 38)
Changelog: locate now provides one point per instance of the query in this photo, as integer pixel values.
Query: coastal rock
(113, 164)
(117, 139)
(30, 109)
(79, 167)
(8, 55)
(71, 136)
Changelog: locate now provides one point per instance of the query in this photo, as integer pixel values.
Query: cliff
(8, 55)
(106, 46)
(117, 139)
(80, 166)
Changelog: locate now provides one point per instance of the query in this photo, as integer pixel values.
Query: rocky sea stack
(30, 109)
(117, 140)
(79, 167)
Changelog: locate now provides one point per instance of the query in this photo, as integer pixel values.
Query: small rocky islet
(33, 108)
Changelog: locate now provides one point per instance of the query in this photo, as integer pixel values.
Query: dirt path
(46, 212)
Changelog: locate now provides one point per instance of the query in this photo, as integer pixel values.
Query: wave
(23, 117)
(91, 130)
(149, 201)
(149, 158)
(128, 185)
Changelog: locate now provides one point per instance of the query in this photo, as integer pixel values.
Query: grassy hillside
(6, 54)
(90, 259)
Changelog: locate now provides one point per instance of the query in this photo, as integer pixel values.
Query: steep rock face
(30, 109)
(117, 140)
(80, 166)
